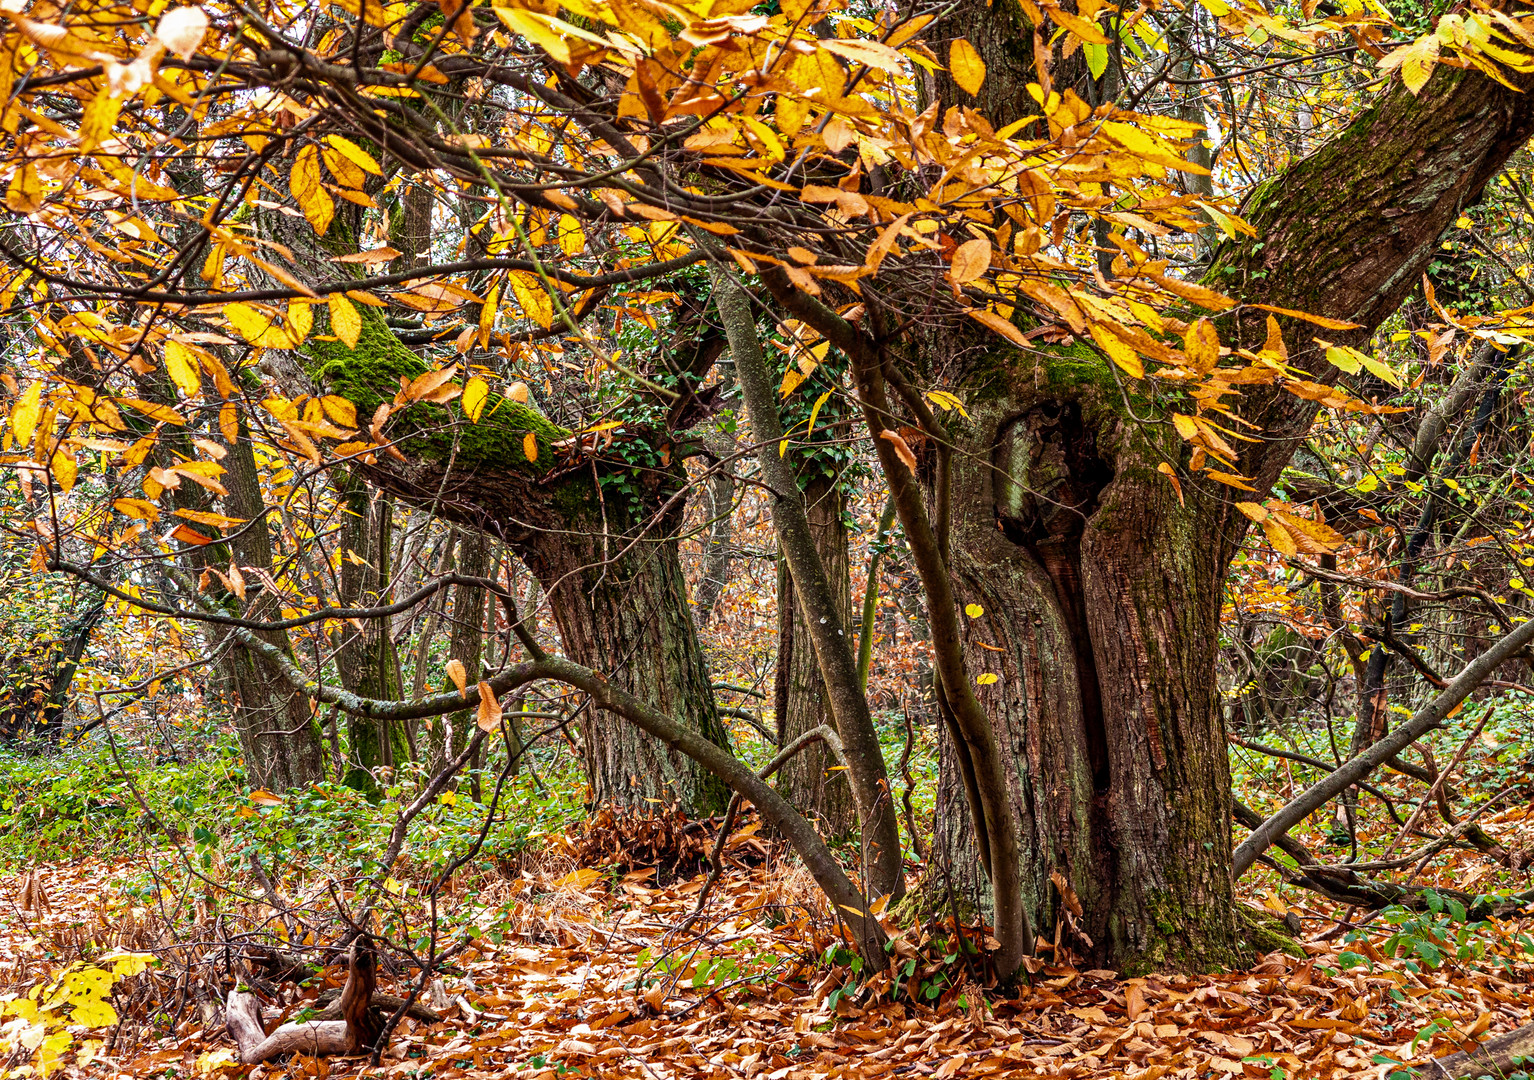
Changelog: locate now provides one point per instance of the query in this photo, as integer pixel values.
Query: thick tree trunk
(1102, 590)
(801, 700)
(1097, 598)
(621, 609)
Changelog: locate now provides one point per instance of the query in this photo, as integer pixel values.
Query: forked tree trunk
(1099, 623)
(800, 700)
(1101, 589)
(620, 603)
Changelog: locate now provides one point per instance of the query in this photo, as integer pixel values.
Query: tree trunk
(621, 609)
(1099, 602)
(279, 736)
(608, 562)
(801, 700)
(365, 660)
(450, 734)
(1102, 590)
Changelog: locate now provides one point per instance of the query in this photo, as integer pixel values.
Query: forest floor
(592, 977)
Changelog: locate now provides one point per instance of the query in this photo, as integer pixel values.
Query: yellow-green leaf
(181, 366)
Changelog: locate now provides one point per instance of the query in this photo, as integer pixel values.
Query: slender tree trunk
(868, 777)
(450, 734)
(365, 660)
(803, 703)
(279, 736)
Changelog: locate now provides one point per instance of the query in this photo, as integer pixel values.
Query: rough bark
(627, 616)
(1102, 590)
(803, 703)
(449, 735)
(366, 660)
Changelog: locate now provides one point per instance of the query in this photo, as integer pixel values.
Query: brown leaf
(902, 448)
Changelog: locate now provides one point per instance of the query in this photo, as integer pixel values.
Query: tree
(1072, 447)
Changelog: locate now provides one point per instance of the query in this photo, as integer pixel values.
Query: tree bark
(450, 734)
(366, 659)
(1102, 589)
(803, 703)
(625, 614)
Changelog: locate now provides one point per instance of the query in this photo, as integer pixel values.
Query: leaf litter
(606, 971)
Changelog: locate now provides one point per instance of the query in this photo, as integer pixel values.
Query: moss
(1264, 933)
(369, 375)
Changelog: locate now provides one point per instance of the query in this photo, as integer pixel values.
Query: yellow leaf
(229, 422)
(974, 611)
(354, 153)
(1280, 538)
(304, 182)
(965, 65)
(572, 240)
(1004, 327)
(63, 469)
(537, 29)
(791, 380)
(1118, 350)
(1201, 344)
(530, 446)
(137, 508)
(340, 410)
(531, 298)
(488, 716)
(299, 322)
(971, 259)
(25, 412)
(946, 401)
(345, 320)
(181, 30)
(1166, 470)
(181, 366)
(99, 119)
(249, 322)
(475, 393)
(987, 679)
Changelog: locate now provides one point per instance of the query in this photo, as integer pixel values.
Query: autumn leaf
(181, 30)
(488, 715)
(901, 447)
(181, 366)
(970, 260)
(455, 671)
(345, 320)
(965, 65)
(475, 393)
(530, 446)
